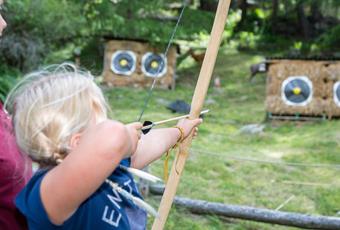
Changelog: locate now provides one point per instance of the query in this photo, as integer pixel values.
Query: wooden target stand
(320, 75)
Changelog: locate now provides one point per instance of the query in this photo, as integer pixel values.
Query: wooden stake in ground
(196, 107)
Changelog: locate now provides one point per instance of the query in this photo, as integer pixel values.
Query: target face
(297, 91)
(336, 93)
(123, 62)
(154, 65)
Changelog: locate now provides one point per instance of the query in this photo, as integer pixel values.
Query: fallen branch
(260, 214)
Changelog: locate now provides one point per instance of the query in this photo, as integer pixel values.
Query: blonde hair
(49, 106)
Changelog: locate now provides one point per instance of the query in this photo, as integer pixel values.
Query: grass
(212, 173)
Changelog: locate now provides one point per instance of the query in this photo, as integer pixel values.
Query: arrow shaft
(171, 119)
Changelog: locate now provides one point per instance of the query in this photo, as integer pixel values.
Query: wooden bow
(196, 107)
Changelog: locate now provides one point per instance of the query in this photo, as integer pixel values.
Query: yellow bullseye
(297, 90)
(154, 64)
(123, 62)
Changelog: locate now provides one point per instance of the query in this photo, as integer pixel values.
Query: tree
(302, 20)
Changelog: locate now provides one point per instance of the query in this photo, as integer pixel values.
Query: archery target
(154, 65)
(336, 93)
(123, 62)
(297, 91)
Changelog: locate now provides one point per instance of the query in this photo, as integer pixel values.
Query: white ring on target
(128, 52)
(158, 74)
(336, 99)
(288, 80)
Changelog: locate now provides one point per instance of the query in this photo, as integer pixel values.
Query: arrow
(148, 125)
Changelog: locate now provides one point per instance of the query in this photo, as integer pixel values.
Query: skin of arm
(158, 141)
(153, 145)
(85, 168)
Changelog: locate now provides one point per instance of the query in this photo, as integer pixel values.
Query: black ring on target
(297, 91)
(123, 62)
(154, 65)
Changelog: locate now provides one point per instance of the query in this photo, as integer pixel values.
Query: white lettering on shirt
(115, 198)
(112, 220)
(111, 216)
(127, 184)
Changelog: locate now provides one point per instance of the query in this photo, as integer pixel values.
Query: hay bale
(137, 78)
(322, 74)
(280, 71)
(275, 105)
(332, 70)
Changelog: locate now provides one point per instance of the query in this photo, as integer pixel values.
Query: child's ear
(75, 140)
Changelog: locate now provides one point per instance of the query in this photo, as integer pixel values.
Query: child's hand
(134, 130)
(189, 125)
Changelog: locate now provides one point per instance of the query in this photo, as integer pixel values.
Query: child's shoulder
(105, 209)
(28, 201)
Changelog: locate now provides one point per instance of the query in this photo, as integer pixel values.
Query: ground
(217, 170)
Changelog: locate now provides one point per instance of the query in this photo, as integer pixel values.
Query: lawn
(219, 169)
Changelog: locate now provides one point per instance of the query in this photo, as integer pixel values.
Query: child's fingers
(196, 122)
(139, 134)
(136, 125)
(195, 131)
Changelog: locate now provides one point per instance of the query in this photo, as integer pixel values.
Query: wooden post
(196, 107)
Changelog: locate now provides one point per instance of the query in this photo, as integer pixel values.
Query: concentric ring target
(154, 65)
(297, 91)
(123, 62)
(336, 93)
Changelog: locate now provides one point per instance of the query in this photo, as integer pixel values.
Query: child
(60, 120)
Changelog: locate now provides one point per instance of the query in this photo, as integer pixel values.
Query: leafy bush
(8, 79)
(36, 27)
(330, 40)
(22, 50)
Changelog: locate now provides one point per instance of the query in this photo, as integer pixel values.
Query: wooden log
(260, 214)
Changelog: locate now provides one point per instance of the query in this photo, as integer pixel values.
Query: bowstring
(147, 99)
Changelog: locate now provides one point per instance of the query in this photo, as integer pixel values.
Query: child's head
(51, 105)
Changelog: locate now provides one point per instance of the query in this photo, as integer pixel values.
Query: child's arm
(154, 144)
(94, 155)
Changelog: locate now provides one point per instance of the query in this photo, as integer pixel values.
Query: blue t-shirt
(105, 209)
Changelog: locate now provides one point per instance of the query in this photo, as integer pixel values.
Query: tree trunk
(303, 21)
(275, 4)
(315, 10)
(286, 5)
(243, 5)
(208, 5)
(275, 9)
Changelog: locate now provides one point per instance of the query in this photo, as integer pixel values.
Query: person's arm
(98, 153)
(158, 141)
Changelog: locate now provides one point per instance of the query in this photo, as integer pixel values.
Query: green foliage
(247, 40)
(23, 51)
(143, 20)
(52, 21)
(36, 27)
(45, 31)
(330, 40)
(8, 79)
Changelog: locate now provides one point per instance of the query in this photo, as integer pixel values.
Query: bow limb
(196, 107)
